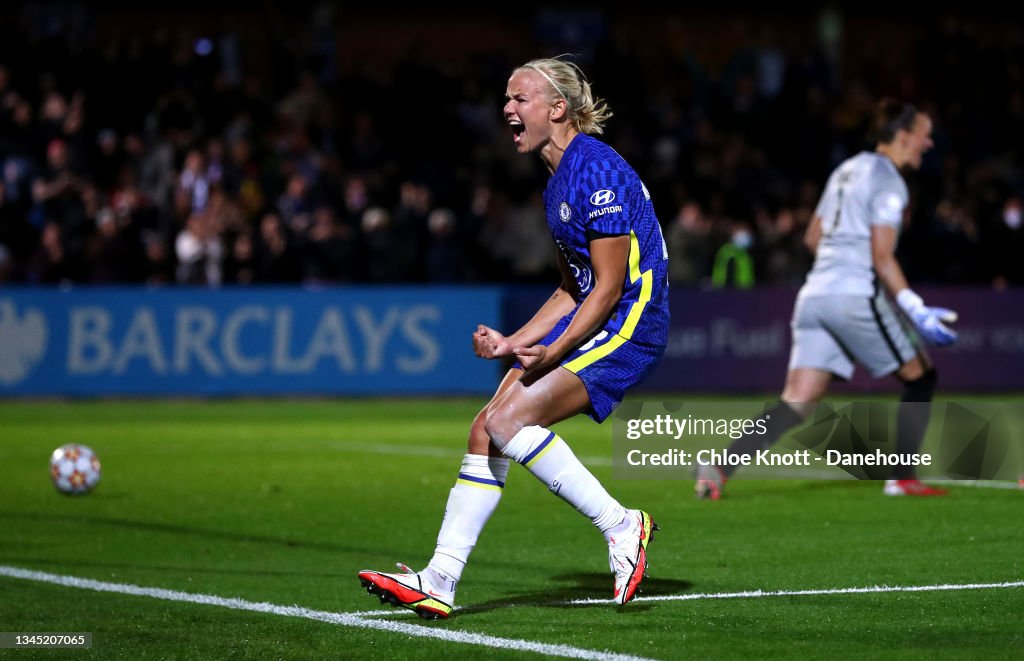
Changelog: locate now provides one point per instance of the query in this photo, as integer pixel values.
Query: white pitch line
(383, 613)
(342, 619)
(802, 593)
(981, 484)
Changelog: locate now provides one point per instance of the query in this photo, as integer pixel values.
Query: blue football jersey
(595, 193)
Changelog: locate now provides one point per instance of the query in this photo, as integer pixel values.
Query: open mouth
(518, 128)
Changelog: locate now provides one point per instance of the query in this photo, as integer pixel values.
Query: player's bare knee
(479, 442)
(911, 370)
(805, 388)
(500, 427)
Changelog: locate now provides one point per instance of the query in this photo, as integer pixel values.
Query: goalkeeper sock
(471, 502)
(777, 420)
(549, 458)
(912, 416)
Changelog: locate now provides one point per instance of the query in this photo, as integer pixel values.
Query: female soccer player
(600, 333)
(842, 312)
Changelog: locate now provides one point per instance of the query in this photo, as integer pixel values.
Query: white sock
(549, 458)
(470, 504)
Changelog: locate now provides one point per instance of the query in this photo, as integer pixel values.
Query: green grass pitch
(284, 501)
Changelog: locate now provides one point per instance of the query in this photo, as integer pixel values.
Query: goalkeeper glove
(929, 321)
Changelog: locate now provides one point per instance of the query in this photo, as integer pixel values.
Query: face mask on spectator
(1011, 216)
(743, 239)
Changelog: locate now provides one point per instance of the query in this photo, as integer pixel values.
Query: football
(74, 469)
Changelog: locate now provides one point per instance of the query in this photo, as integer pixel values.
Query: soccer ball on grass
(74, 469)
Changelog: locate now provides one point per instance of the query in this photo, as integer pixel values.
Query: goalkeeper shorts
(832, 333)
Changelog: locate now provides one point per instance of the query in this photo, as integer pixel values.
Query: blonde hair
(568, 81)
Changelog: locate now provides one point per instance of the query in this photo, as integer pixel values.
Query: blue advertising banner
(183, 341)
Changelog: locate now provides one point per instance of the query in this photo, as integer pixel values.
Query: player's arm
(928, 320)
(489, 343)
(883, 257)
(813, 234)
(610, 257)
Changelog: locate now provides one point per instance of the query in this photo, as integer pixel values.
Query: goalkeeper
(843, 312)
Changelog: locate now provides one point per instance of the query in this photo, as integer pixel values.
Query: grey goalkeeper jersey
(864, 190)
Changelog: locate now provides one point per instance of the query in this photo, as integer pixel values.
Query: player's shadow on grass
(76, 521)
(580, 586)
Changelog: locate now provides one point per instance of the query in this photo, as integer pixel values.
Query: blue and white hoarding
(239, 341)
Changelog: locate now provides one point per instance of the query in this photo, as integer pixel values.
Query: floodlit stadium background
(332, 150)
(293, 410)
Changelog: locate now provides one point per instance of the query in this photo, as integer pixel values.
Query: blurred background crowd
(314, 143)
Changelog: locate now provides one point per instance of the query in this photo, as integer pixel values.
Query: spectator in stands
(277, 260)
(331, 251)
(409, 229)
(115, 251)
(1009, 251)
(51, 262)
(378, 240)
(200, 251)
(445, 259)
(744, 137)
(689, 245)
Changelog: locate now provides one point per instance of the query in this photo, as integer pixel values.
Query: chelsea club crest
(564, 213)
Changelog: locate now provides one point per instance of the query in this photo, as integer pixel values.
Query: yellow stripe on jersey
(646, 279)
(646, 286)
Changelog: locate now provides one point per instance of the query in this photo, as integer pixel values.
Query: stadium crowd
(165, 156)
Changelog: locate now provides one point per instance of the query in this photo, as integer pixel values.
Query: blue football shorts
(608, 364)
